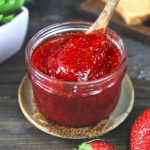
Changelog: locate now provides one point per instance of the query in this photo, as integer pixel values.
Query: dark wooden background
(16, 133)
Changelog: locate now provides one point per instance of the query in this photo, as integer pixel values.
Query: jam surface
(77, 56)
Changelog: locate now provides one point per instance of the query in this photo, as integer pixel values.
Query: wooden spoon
(104, 17)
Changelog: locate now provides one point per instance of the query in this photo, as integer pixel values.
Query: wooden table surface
(16, 133)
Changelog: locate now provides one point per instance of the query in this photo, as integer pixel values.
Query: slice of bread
(134, 11)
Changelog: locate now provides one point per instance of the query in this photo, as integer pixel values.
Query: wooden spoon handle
(105, 16)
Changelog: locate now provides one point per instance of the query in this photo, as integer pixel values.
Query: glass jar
(75, 104)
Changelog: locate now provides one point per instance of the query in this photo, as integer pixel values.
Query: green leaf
(11, 6)
(1, 17)
(85, 146)
(2, 2)
(8, 18)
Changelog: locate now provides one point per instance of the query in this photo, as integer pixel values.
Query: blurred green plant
(9, 8)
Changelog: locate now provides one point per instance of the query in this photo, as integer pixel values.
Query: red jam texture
(76, 57)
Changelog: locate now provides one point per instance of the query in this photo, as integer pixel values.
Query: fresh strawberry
(96, 145)
(140, 132)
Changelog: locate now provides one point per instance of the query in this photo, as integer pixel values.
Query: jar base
(122, 110)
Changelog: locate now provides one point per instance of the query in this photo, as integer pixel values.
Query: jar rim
(46, 77)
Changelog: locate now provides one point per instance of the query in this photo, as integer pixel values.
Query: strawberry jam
(77, 57)
(76, 77)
